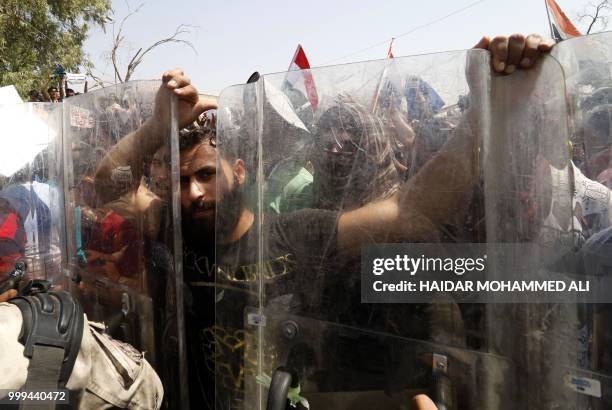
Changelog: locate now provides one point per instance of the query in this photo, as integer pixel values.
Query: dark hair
(201, 130)
(339, 116)
(204, 130)
(189, 138)
(50, 89)
(35, 95)
(366, 172)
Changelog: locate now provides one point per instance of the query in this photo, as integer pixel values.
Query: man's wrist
(151, 134)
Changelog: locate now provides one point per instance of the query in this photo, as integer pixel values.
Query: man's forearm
(424, 203)
(131, 152)
(441, 188)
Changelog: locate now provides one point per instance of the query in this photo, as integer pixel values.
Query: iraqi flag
(561, 26)
(300, 78)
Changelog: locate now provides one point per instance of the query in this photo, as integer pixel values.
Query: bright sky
(236, 37)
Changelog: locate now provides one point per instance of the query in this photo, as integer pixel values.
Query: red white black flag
(300, 77)
(561, 26)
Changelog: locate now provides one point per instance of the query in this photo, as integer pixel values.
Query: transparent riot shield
(528, 187)
(344, 298)
(122, 223)
(587, 63)
(347, 367)
(357, 141)
(31, 178)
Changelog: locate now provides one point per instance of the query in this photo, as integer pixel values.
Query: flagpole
(383, 77)
(550, 25)
(285, 82)
(297, 50)
(378, 91)
(390, 51)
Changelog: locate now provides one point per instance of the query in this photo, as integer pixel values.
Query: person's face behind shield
(353, 160)
(334, 157)
(598, 140)
(211, 191)
(160, 183)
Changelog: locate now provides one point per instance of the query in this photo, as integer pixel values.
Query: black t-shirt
(284, 262)
(199, 276)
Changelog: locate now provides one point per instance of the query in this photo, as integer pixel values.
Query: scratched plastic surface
(122, 228)
(478, 158)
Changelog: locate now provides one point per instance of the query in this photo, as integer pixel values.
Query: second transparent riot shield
(587, 62)
(31, 197)
(401, 226)
(356, 136)
(121, 181)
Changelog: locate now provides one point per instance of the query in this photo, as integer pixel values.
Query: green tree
(36, 34)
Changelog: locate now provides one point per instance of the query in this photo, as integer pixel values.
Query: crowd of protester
(362, 172)
(54, 93)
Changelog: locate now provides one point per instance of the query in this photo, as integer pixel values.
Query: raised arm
(144, 141)
(45, 92)
(62, 87)
(441, 188)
